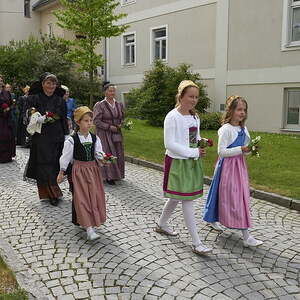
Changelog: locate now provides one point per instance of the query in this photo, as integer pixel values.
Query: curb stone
(24, 279)
(258, 194)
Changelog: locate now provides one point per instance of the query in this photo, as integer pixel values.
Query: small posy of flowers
(109, 158)
(203, 143)
(128, 124)
(5, 107)
(51, 117)
(254, 146)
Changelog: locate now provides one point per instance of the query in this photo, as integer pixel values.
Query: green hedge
(210, 120)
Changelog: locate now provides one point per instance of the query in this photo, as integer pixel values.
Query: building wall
(13, 24)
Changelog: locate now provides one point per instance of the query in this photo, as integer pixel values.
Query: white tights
(188, 214)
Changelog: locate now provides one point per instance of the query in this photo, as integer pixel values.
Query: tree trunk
(91, 80)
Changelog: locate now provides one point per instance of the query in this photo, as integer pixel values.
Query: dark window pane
(157, 50)
(293, 107)
(296, 24)
(164, 49)
(160, 33)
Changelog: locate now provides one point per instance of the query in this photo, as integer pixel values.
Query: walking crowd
(59, 135)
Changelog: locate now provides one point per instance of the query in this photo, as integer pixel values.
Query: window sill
(129, 65)
(291, 47)
(129, 3)
(290, 129)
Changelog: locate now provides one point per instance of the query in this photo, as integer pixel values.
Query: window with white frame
(125, 99)
(291, 24)
(129, 49)
(126, 2)
(292, 108)
(159, 43)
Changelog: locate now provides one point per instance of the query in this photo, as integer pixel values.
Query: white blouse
(176, 135)
(227, 135)
(67, 154)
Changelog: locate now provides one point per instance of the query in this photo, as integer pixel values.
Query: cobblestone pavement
(130, 260)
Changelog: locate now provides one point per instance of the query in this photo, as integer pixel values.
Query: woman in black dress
(46, 147)
(7, 136)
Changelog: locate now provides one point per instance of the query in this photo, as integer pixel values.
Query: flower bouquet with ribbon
(51, 117)
(5, 107)
(109, 158)
(203, 143)
(128, 124)
(254, 146)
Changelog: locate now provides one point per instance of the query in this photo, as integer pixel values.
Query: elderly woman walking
(48, 136)
(108, 118)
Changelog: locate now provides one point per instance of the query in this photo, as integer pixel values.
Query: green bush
(156, 97)
(210, 120)
(22, 62)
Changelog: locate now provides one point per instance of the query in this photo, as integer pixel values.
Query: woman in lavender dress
(108, 118)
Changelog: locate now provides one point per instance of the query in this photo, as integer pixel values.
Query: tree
(156, 97)
(91, 21)
(22, 62)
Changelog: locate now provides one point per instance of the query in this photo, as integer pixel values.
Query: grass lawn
(277, 170)
(9, 289)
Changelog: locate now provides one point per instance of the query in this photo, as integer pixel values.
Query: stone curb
(24, 279)
(258, 194)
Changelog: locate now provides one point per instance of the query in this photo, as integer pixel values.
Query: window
(291, 24)
(222, 107)
(159, 43)
(27, 8)
(127, 2)
(50, 30)
(293, 108)
(129, 49)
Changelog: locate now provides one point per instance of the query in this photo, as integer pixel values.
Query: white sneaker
(201, 249)
(165, 230)
(91, 234)
(216, 226)
(252, 242)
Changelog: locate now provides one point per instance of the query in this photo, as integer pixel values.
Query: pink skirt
(88, 197)
(234, 194)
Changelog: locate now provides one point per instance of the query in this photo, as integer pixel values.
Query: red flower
(4, 106)
(108, 155)
(49, 114)
(210, 142)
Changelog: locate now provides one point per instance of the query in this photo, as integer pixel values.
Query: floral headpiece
(184, 84)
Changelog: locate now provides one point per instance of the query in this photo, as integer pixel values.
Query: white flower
(253, 148)
(257, 155)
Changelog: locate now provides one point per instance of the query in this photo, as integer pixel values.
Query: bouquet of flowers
(5, 107)
(128, 124)
(203, 143)
(109, 158)
(51, 117)
(254, 147)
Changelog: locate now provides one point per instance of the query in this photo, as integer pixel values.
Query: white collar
(112, 105)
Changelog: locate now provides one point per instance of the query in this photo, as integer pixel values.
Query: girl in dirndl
(183, 174)
(228, 198)
(82, 150)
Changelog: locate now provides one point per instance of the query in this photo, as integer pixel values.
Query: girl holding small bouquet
(183, 175)
(83, 149)
(228, 199)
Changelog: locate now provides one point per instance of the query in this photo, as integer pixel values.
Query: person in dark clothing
(7, 136)
(46, 147)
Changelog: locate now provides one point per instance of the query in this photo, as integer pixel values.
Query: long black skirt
(7, 140)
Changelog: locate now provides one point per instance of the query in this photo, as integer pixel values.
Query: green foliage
(22, 62)
(275, 171)
(210, 120)
(92, 21)
(156, 97)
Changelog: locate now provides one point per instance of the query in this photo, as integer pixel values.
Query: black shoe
(110, 181)
(54, 201)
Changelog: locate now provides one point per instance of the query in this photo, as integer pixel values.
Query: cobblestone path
(130, 260)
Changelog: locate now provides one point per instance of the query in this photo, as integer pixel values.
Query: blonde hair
(64, 87)
(182, 89)
(231, 104)
(26, 89)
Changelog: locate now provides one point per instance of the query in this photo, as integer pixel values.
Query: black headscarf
(37, 87)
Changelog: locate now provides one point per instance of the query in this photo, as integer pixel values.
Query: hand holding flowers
(5, 107)
(254, 146)
(50, 117)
